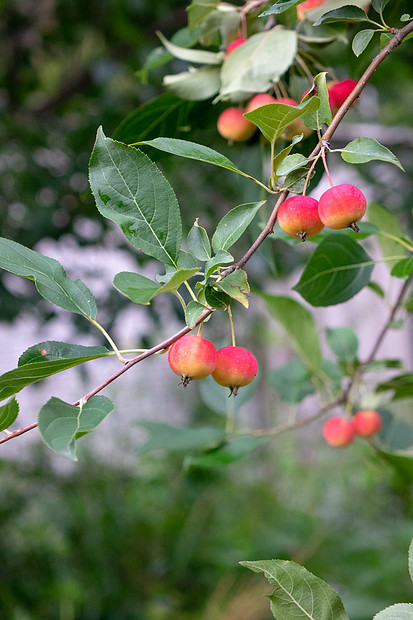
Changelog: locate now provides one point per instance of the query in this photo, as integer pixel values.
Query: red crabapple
(339, 91)
(233, 45)
(192, 357)
(236, 367)
(367, 422)
(342, 206)
(307, 6)
(339, 432)
(298, 217)
(233, 125)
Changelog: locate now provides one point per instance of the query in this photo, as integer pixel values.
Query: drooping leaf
(279, 158)
(401, 611)
(403, 267)
(250, 68)
(361, 41)
(130, 190)
(222, 257)
(216, 298)
(8, 413)
(338, 270)
(362, 150)
(343, 342)
(279, 7)
(273, 118)
(198, 242)
(236, 286)
(402, 386)
(198, 10)
(202, 57)
(43, 360)
(299, 595)
(290, 163)
(158, 56)
(292, 381)
(192, 312)
(49, 277)
(348, 13)
(141, 290)
(390, 234)
(300, 326)
(60, 423)
(315, 120)
(228, 452)
(194, 84)
(233, 224)
(169, 438)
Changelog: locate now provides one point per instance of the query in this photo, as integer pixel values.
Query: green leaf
(8, 413)
(176, 439)
(191, 55)
(401, 611)
(290, 163)
(295, 180)
(379, 5)
(362, 150)
(192, 313)
(292, 381)
(229, 452)
(361, 41)
(222, 257)
(279, 158)
(279, 7)
(216, 299)
(195, 84)
(299, 595)
(198, 242)
(403, 267)
(389, 232)
(251, 67)
(60, 423)
(405, 17)
(315, 120)
(198, 10)
(273, 118)
(141, 290)
(45, 359)
(343, 342)
(300, 326)
(338, 270)
(395, 434)
(159, 55)
(233, 224)
(49, 277)
(236, 286)
(402, 386)
(131, 191)
(347, 13)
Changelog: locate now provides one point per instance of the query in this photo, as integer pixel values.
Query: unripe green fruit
(233, 125)
(342, 206)
(339, 432)
(192, 357)
(298, 217)
(236, 367)
(367, 422)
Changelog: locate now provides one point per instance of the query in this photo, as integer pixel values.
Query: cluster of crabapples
(193, 357)
(339, 431)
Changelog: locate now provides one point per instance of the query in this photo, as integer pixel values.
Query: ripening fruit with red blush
(233, 45)
(259, 100)
(233, 125)
(339, 91)
(298, 217)
(342, 206)
(192, 357)
(339, 432)
(307, 6)
(367, 422)
(236, 367)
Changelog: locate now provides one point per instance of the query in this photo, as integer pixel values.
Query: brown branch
(399, 35)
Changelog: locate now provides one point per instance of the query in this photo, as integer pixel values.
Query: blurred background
(128, 534)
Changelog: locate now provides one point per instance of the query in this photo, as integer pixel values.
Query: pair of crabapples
(341, 206)
(340, 432)
(193, 357)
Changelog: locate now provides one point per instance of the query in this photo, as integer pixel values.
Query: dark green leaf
(49, 277)
(141, 290)
(348, 13)
(192, 313)
(236, 286)
(338, 270)
(403, 267)
(198, 242)
(295, 180)
(362, 150)
(8, 413)
(292, 381)
(299, 595)
(175, 439)
(402, 386)
(385, 38)
(229, 452)
(279, 7)
(222, 257)
(60, 423)
(379, 5)
(315, 120)
(343, 342)
(402, 463)
(45, 359)
(300, 326)
(233, 224)
(130, 190)
(279, 158)
(290, 163)
(361, 41)
(216, 299)
(273, 118)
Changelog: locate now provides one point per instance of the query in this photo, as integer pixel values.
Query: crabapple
(339, 432)
(259, 100)
(367, 422)
(298, 217)
(233, 125)
(192, 357)
(233, 45)
(342, 206)
(339, 91)
(307, 6)
(236, 367)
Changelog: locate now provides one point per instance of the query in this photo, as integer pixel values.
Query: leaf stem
(191, 292)
(109, 339)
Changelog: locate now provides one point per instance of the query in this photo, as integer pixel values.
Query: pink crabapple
(192, 357)
(342, 206)
(339, 91)
(233, 125)
(236, 367)
(339, 432)
(367, 422)
(298, 217)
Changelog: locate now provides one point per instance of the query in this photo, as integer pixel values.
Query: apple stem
(232, 326)
(354, 226)
(323, 157)
(200, 329)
